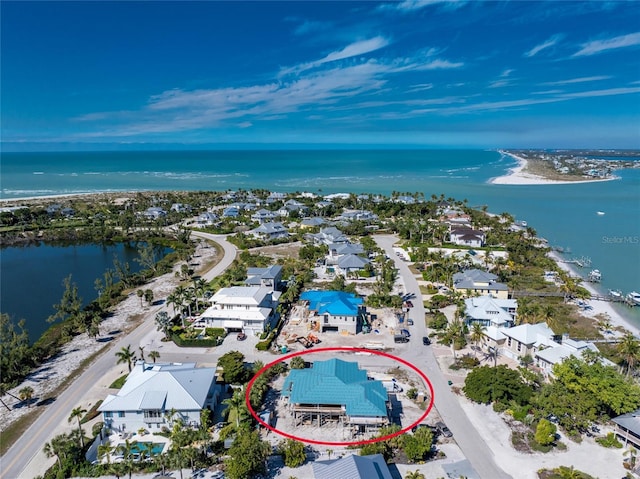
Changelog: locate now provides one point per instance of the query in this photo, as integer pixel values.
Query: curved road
(471, 443)
(20, 454)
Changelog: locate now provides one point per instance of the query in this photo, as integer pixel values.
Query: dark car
(443, 429)
(426, 341)
(405, 332)
(409, 304)
(421, 426)
(410, 322)
(241, 337)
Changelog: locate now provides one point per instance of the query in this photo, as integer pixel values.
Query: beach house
(473, 282)
(269, 231)
(336, 392)
(336, 311)
(241, 308)
(490, 311)
(270, 277)
(467, 237)
(156, 395)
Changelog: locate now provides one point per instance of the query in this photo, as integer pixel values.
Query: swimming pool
(140, 448)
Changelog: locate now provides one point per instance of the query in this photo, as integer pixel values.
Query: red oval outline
(330, 443)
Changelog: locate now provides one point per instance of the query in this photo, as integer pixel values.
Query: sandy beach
(518, 176)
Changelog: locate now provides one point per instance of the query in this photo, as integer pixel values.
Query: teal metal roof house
(336, 391)
(336, 310)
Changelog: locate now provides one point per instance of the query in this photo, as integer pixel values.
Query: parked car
(410, 322)
(401, 338)
(426, 341)
(409, 304)
(405, 332)
(443, 429)
(241, 337)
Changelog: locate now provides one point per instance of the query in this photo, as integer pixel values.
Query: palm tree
(477, 335)
(140, 294)
(55, 448)
(105, 450)
(125, 450)
(174, 301)
(629, 350)
(153, 355)
(163, 322)
(26, 393)
(125, 355)
(236, 407)
(3, 391)
(77, 413)
(141, 348)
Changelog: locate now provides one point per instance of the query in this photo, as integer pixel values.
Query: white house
(526, 339)
(206, 219)
(467, 237)
(263, 216)
(241, 308)
(152, 391)
(545, 358)
(490, 311)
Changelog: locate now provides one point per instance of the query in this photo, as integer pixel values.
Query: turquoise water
(138, 448)
(563, 214)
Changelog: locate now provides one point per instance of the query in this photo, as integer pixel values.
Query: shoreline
(517, 176)
(598, 307)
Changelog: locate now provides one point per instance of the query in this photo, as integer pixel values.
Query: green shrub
(412, 393)
(465, 362)
(439, 321)
(193, 342)
(609, 441)
(215, 333)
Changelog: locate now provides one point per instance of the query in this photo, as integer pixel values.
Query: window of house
(519, 346)
(120, 413)
(108, 414)
(509, 342)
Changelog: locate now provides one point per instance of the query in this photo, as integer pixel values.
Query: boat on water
(600, 213)
(633, 298)
(595, 276)
(615, 294)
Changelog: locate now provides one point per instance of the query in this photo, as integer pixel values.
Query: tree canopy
(486, 384)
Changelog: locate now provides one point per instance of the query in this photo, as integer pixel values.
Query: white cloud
(598, 46)
(607, 92)
(439, 65)
(412, 5)
(543, 46)
(354, 49)
(577, 80)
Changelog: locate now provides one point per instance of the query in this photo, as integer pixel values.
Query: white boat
(600, 213)
(615, 294)
(595, 276)
(633, 298)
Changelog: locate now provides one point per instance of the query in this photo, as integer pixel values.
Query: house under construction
(336, 392)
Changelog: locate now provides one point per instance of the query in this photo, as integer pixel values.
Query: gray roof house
(351, 262)
(475, 281)
(270, 277)
(330, 235)
(547, 357)
(628, 428)
(206, 219)
(527, 339)
(340, 249)
(263, 216)
(352, 467)
(269, 231)
(490, 311)
(358, 215)
(153, 390)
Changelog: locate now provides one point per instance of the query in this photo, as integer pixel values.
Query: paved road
(465, 434)
(30, 444)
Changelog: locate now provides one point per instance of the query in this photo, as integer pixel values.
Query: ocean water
(566, 215)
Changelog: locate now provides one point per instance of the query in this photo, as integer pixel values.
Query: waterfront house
(358, 215)
(241, 308)
(474, 282)
(231, 212)
(351, 263)
(490, 311)
(156, 395)
(467, 237)
(526, 339)
(336, 311)
(270, 277)
(547, 357)
(337, 250)
(180, 208)
(352, 467)
(337, 392)
(269, 231)
(154, 213)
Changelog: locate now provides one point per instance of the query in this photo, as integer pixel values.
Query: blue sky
(411, 73)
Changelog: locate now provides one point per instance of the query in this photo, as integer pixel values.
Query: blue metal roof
(337, 382)
(336, 303)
